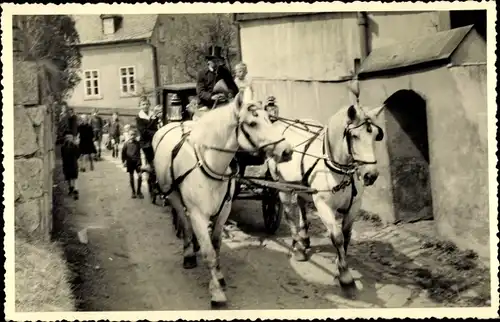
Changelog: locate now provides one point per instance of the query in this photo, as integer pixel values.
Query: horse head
(255, 130)
(358, 133)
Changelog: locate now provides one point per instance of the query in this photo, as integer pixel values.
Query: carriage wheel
(272, 210)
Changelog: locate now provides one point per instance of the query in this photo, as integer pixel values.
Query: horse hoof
(349, 289)
(299, 256)
(307, 243)
(190, 262)
(218, 304)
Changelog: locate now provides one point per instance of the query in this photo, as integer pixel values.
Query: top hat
(214, 52)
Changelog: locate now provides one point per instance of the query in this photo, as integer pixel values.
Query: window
(92, 88)
(127, 80)
(108, 26)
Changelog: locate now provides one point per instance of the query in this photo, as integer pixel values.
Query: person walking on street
(97, 126)
(86, 136)
(147, 125)
(114, 134)
(70, 153)
(215, 73)
(131, 159)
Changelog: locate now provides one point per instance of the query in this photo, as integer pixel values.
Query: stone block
(37, 114)
(46, 214)
(27, 216)
(25, 138)
(26, 83)
(29, 177)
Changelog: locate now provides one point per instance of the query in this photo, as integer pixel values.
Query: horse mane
(216, 120)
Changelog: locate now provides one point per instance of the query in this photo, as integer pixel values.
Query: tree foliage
(51, 41)
(198, 35)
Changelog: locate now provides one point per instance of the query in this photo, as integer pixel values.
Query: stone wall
(33, 156)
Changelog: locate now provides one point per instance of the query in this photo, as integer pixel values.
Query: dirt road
(133, 260)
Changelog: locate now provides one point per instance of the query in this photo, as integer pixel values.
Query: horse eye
(252, 124)
(355, 136)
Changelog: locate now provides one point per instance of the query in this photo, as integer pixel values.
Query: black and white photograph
(242, 161)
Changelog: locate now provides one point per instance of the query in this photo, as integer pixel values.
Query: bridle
(240, 129)
(345, 169)
(348, 136)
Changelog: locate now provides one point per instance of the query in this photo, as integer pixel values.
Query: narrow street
(134, 260)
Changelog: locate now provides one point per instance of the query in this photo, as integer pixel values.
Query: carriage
(176, 98)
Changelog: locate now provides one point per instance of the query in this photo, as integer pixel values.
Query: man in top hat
(215, 83)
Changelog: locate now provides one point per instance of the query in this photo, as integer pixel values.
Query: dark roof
(426, 49)
(269, 15)
(133, 27)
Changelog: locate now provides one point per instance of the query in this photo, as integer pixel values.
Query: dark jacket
(147, 129)
(70, 153)
(68, 124)
(86, 139)
(131, 152)
(115, 130)
(206, 81)
(97, 123)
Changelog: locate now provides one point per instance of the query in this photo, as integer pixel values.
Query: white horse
(192, 164)
(334, 161)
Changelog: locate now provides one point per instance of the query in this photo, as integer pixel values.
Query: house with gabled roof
(119, 62)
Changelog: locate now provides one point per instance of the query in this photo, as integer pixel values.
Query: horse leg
(184, 226)
(303, 223)
(217, 239)
(289, 209)
(334, 222)
(200, 224)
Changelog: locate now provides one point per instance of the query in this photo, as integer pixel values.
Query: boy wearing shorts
(131, 158)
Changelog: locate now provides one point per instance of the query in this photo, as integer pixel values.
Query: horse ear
(374, 113)
(351, 112)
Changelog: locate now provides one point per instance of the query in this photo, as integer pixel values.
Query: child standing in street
(131, 158)
(70, 154)
(114, 134)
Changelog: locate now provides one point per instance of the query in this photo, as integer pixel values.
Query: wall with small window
(113, 76)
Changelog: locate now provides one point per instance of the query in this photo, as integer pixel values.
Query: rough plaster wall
(314, 47)
(387, 28)
(456, 120)
(314, 100)
(464, 202)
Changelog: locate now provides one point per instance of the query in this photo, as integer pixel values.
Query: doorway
(408, 147)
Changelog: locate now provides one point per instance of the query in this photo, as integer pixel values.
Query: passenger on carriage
(241, 80)
(213, 74)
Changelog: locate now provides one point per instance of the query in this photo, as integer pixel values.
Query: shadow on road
(377, 262)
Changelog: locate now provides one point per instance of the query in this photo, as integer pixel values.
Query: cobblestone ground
(134, 260)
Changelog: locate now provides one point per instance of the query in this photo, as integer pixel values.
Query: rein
(337, 167)
(224, 177)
